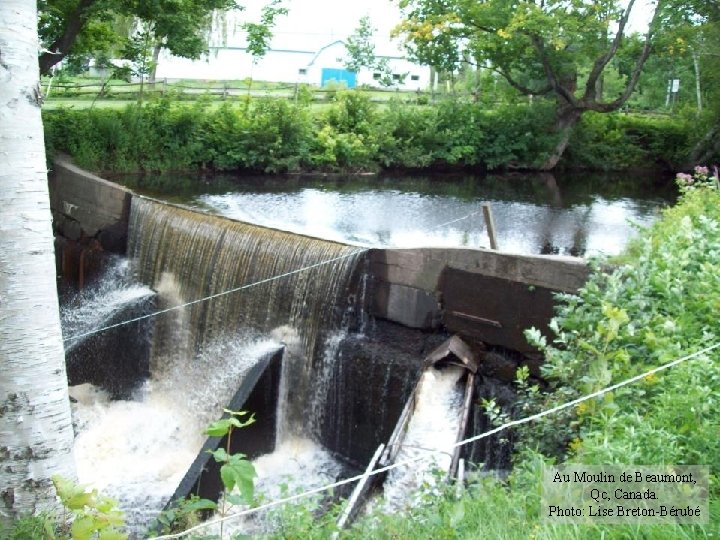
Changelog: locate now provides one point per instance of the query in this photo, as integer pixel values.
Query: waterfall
(97, 306)
(116, 359)
(187, 256)
(138, 449)
(204, 255)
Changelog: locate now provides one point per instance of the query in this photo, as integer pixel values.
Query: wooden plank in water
(462, 426)
(395, 441)
(455, 345)
(358, 494)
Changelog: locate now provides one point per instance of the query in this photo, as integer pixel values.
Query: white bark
(36, 433)
(698, 93)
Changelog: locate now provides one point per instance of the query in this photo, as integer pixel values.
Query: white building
(303, 50)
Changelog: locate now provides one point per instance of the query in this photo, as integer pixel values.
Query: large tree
(557, 48)
(36, 434)
(82, 26)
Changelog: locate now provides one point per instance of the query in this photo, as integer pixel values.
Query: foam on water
(298, 464)
(94, 306)
(433, 427)
(137, 451)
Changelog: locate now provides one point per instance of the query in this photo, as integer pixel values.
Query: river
(580, 214)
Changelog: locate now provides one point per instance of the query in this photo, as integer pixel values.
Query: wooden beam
(355, 500)
(462, 427)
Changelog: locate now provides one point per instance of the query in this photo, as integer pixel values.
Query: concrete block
(414, 308)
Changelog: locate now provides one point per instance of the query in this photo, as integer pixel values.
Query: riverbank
(355, 135)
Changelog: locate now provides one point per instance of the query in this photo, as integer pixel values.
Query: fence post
(490, 224)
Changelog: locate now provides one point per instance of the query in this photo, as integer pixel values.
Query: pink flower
(702, 170)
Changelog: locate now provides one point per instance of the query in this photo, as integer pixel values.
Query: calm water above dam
(578, 214)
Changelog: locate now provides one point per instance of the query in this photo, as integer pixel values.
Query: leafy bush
(660, 305)
(39, 527)
(274, 135)
(619, 141)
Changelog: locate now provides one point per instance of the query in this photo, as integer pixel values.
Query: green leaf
(220, 455)
(235, 499)
(70, 493)
(200, 504)
(112, 534)
(239, 472)
(83, 528)
(78, 501)
(236, 413)
(219, 428)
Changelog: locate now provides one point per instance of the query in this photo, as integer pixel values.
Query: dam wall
(483, 295)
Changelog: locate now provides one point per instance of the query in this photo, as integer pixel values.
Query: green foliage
(660, 305)
(39, 527)
(259, 34)
(305, 519)
(539, 48)
(183, 514)
(236, 471)
(95, 516)
(180, 26)
(361, 53)
(360, 48)
(626, 141)
(351, 134)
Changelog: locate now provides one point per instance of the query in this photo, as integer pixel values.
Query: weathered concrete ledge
(482, 294)
(86, 207)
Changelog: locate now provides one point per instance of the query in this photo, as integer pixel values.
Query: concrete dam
(332, 347)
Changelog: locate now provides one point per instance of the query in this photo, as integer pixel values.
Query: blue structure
(339, 76)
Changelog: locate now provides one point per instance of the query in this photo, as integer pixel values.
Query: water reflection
(539, 213)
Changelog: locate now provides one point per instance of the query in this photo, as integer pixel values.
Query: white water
(433, 427)
(96, 305)
(296, 465)
(138, 450)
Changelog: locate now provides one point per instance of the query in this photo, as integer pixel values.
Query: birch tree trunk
(36, 434)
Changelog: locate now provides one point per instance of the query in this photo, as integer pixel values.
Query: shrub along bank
(352, 134)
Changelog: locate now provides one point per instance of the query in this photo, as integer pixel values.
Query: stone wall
(90, 220)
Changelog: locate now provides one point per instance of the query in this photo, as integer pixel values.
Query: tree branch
(62, 45)
(630, 87)
(603, 60)
(552, 78)
(486, 29)
(519, 87)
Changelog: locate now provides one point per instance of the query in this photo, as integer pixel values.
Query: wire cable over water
(408, 462)
(446, 223)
